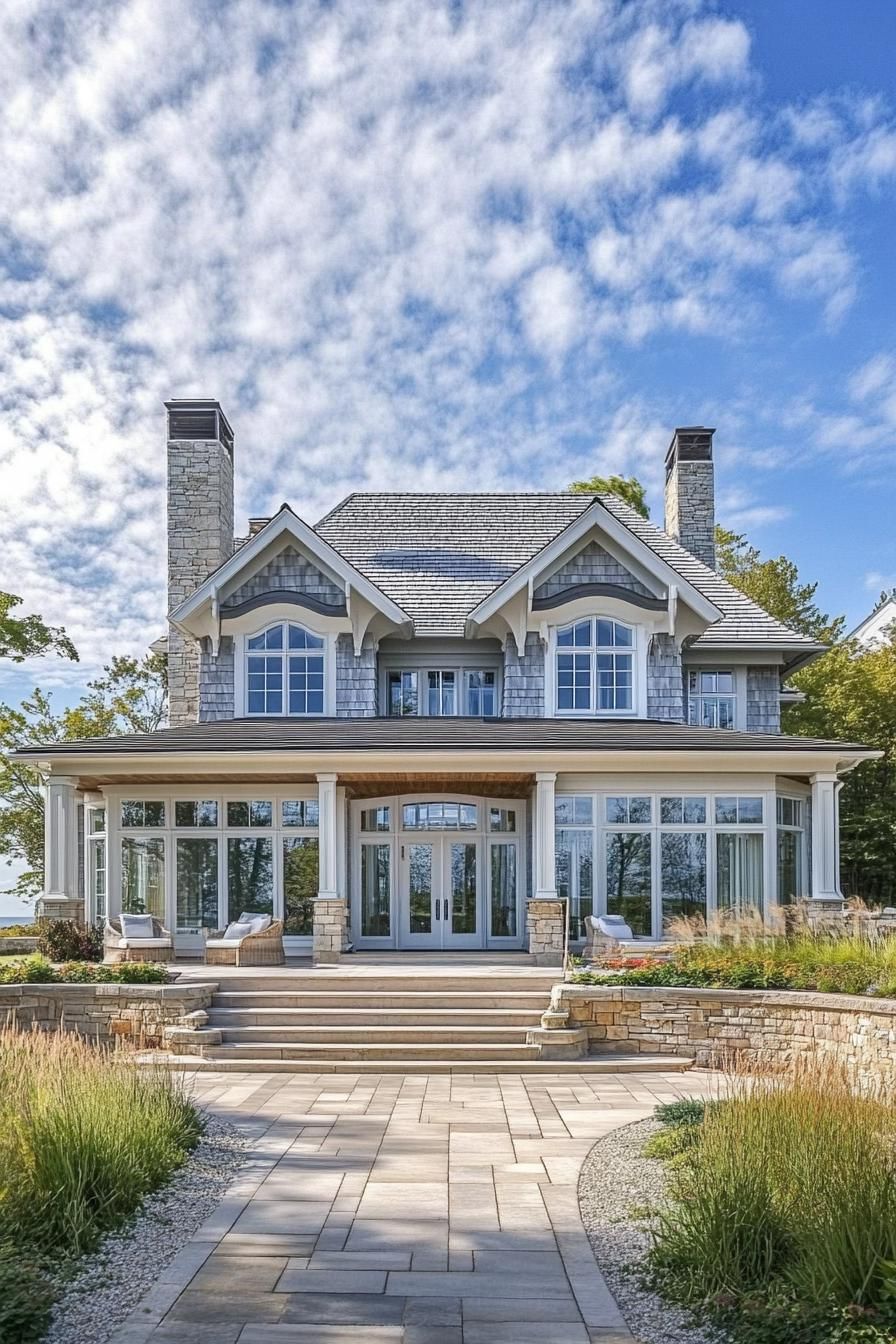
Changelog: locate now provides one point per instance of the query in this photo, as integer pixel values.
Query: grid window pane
(300, 638)
(575, 810)
(375, 819)
(189, 813)
(197, 883)
(300, 812)
(683, 874)
(250, 875)
(138, 813)
(143, 876)
(402, 690)
(629, 883)
(300, 883)
(502, 819)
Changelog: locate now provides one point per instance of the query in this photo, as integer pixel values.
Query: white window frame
(421, 666)
(188, 941)
(639, 671)
(655, 789)
(739, 694)
(802, 830)
(242, 652)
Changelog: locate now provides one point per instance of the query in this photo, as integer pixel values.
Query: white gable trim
(594, 518)
(287, 526)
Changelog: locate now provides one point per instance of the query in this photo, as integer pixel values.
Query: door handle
(438, 909)
(446, 907)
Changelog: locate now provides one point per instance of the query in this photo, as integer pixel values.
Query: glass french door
(439, 905)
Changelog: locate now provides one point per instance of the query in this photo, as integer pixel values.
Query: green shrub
(672, 1142)
(37, 970)
(25, 1297)
(786, 1212)
(65, 940)
(84, 1135)
(685, 1111)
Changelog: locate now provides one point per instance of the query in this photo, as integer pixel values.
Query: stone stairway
(332, 1022)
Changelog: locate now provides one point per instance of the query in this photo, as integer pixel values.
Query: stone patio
(403, 1210)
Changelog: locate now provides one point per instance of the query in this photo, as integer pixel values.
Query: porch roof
(411, 734)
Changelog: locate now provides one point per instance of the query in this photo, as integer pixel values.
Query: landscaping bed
(771, 1216)
(85, 1137)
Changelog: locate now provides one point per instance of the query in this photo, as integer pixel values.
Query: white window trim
(240, 679)
(422, 664)
(803, 832)
(639, 673)
(740, 691)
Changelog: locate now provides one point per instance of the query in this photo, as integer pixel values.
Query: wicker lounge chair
(117, 948)
(253, 949)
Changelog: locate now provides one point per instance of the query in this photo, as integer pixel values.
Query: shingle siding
(763, 704)
(524, 679)
(592, 564)
(665, 687)
(292, 572)
(355, 679)
(216, 682)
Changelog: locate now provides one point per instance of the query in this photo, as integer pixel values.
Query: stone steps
(376, 1035)
(325, 1000)
(229, 1062)
(298, 1018)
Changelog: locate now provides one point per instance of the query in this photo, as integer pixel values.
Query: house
(879, 626)
(429, 720)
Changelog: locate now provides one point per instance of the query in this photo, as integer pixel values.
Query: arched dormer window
(285, 671)
(595, 667)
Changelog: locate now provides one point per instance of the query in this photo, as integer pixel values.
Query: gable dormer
(283, 625)
(605, 618)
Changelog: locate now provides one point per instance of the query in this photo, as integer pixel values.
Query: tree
(24, 637)
(775, 584)
(628, 489)
(850, 697)
(130, 697)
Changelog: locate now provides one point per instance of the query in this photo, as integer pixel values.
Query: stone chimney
(200, 529)
(690, 508)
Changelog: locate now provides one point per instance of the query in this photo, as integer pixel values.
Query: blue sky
(456, 245)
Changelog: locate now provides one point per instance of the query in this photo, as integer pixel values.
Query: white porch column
(328, 931)
(326, 795)
(545, 913)
(545, 871)
(826, 837)
(60, 898)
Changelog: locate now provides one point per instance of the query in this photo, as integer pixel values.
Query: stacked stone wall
(103, 1013)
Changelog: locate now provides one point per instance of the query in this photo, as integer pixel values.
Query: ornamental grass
(783, 1216)
(84, 1135)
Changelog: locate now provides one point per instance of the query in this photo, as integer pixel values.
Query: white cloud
(399, 241)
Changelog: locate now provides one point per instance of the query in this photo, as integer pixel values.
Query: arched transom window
(595, 667)
(285, 671)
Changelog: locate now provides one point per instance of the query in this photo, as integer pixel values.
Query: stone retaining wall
(104, 1012)
(18, 947)
(709, 1025)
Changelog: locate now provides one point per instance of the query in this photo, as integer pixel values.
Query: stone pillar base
(328, 930)
(60, 907)
(545, 919)
(822, 910)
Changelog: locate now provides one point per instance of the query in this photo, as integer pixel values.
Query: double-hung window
(712, 698)
(285, 671)
(595, 670)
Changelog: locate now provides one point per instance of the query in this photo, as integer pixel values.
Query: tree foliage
(24, 637)
(775, 584)
(628, 488)
(130, 697)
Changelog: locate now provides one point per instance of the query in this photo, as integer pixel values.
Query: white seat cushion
(223, 942)
(611, 926)
(136, 926)
(144, 942)
(237, 931)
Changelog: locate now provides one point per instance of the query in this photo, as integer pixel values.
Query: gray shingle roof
(439, 556)
(411, 733)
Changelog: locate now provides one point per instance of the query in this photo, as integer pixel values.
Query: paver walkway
(403, 1210)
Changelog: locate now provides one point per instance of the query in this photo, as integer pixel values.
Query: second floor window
(285, 671)
(711, 698)
(437, 692)
(595, 667)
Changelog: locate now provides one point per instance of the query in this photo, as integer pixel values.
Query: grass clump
(84, 1136)
(852, 961)
(783, 1219)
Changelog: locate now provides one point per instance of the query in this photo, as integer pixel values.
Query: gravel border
(110, 1282)
(614, 1179)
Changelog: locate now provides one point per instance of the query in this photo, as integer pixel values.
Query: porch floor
(403, 965)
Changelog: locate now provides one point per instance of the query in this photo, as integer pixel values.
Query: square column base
(328, 930)
(546, 920)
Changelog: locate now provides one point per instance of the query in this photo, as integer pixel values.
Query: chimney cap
(690, 443)
(198, 418)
